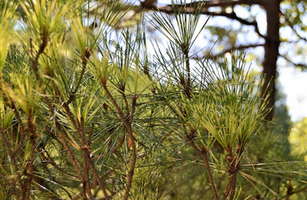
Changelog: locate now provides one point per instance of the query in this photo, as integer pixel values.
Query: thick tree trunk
(271, 52)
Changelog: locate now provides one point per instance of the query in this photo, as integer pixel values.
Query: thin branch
(304, 189)
(203, 154)
(86, 156)
(31, 127)
(71, 117)
(303, 65)
(214, 3)
(61, 135)
(234, 16)
(134, 157)
(8, 147)
(229, 50)
(209, 4)
(96, 176)
(127, 124)
(49, 160)
(68, 150)
(43, 45)
(85, 58)
(8, 144)
(22, 128)
(292, 27)
(119, 111)
(139, 156)
(121, 142)
(187, 86)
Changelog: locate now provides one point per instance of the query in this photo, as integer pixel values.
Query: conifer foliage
(88, 112)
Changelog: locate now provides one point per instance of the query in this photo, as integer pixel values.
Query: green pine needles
(88, 112)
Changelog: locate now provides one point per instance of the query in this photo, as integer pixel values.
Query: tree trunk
(271, 52)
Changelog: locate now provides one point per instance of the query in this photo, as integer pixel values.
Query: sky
(293, 81)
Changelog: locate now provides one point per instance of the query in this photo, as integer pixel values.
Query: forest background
(145, 100)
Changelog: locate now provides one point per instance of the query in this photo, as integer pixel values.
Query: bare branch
(302, 65)
(217, 3)
(234, 16)
(209, 4)
(241, 47)
(292, 27)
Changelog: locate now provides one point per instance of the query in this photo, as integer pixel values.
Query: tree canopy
(87, 111)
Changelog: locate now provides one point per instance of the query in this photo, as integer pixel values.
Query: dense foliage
(88, 112)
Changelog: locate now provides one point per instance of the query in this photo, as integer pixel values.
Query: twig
(50, 161)
(32, 137)
(209, 4)
(303, 65)
(96, 176)
(127, 124)
(86, 156)
(203, 154)
(41, 49)
(241, 47)
(133, 161)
